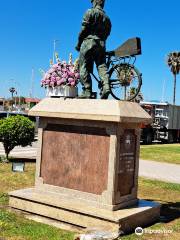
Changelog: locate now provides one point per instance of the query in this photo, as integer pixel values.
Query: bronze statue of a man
(96, 27)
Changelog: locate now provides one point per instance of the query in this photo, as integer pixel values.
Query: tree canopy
(16, 131)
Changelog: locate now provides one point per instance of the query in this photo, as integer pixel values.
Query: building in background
(18, 104)
(165, 126)
(31, 102)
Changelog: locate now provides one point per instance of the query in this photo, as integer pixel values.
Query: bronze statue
(96, 27)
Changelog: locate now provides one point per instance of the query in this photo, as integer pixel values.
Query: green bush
(16, 131)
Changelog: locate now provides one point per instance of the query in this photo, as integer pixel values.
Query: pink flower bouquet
(61, 74)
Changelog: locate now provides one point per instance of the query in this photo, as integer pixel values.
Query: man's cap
(96, 0)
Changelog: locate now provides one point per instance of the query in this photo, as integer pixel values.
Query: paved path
(22, 152)
(149, 169)
(161, 171)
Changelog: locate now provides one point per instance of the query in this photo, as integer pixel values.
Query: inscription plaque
(75, 157)
(127, 162)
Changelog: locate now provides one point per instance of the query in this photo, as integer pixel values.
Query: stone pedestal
(87, 164)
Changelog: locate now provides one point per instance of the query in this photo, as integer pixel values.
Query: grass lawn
(168, 195)
(169, 153)
(16, 227)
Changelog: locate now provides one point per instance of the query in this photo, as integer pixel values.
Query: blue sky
(28, 29)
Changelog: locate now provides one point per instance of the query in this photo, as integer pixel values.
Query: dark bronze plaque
(75, 157)
(127, 162)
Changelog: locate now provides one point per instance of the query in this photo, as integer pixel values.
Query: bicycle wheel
(125, 81)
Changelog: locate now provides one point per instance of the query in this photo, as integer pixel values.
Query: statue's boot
(86, 94)
(105, 91)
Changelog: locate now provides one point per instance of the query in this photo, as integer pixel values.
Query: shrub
(16, 131)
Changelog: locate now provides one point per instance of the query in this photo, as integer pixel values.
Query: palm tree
(173, 60)
(12, 90)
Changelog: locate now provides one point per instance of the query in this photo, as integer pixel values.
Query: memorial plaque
(75, 157)
(127, 162)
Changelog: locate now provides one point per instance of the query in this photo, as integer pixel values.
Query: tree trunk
(12, 101)
(174, 95)
(7, 156)
(7, 151)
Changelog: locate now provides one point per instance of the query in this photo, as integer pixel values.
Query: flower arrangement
(61, 73)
